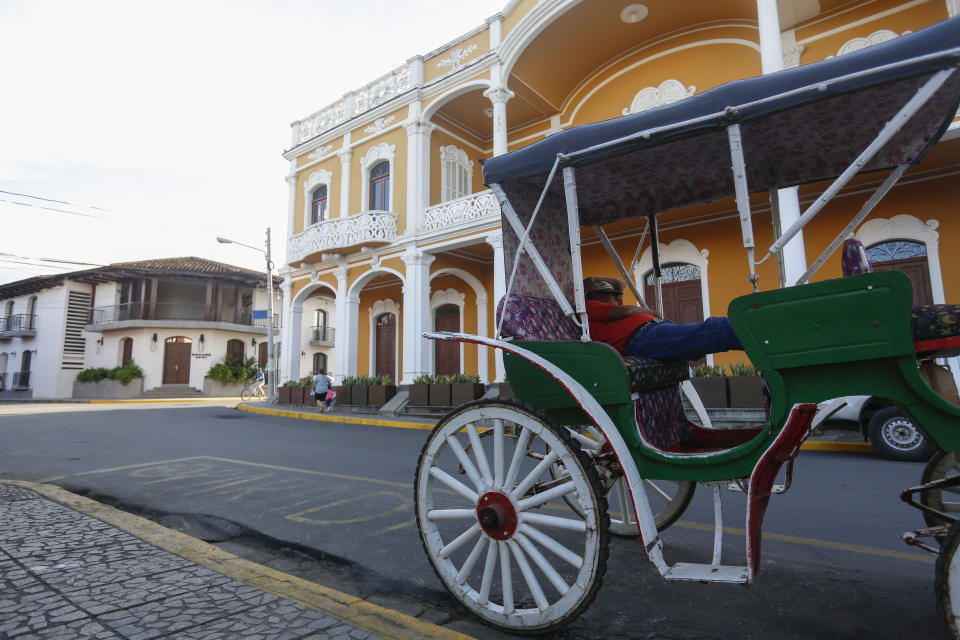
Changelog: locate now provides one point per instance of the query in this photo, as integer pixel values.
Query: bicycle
(252, 389)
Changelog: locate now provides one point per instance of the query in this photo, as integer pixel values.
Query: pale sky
(163, 123)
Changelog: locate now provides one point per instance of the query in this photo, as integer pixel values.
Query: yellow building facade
(391, 232)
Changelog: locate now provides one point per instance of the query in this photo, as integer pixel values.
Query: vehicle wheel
(671, 496)
(245, 395)
(942, 465)
(896, 436)
(485, 501)
(947, 584)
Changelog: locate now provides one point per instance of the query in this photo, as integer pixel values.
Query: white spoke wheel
(947, 585)
(668, 498)
(245, 395)
(497, 525)
(943, 464)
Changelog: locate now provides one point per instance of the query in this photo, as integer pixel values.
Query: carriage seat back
(535, 319)
(854, 260)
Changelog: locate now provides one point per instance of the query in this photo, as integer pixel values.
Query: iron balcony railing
(21, 379)
(20, 322)
(321, 334)
(176, 311)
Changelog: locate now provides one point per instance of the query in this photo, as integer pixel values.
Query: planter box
(505, 390)
(746, 391)
(219, 390)
(379, 394)
(419, 395)
(440, 394)
(463, 392)
(712, 390)
(107, 389)
(284, 395)
(307, 398)
(358, 394)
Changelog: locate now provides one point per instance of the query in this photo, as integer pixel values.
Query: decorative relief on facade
(321, 176)
(447, 296)
(953, 7)
(652, 97)
(364, 99)
(456, 58)
(883, 35)
(380, 307)
(319, 153)
(379, 124)
(382, 151)
(466, 209)
(791, 55)
(342, 233)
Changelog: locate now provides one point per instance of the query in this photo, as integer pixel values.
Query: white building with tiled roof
(174, 317)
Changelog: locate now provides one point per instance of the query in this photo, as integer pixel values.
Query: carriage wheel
(947, 585)
(496, 525)
(943, 464)
(671, 497)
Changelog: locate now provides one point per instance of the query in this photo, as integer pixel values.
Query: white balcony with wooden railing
(368, 229)
(462, 210)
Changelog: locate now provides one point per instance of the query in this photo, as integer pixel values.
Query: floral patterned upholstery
(935, 321)
(647, 374)
(854, 261)
(661, 419)
(532, 318)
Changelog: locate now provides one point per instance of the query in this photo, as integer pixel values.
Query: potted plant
(381, 390)
(440, 391)
(746, 386)
(306, 387)
(711, 384)
(345, 394)
(226, 378)
(420, 391)
(360, 391)
(466, 387)
(285, 391)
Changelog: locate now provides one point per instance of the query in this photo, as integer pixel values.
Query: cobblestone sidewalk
(66, 575)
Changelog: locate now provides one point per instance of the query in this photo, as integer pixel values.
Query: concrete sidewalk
(74, 568)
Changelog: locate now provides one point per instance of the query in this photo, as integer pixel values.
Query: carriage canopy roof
(800, 125)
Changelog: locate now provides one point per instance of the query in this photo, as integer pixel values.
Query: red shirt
(613, 332)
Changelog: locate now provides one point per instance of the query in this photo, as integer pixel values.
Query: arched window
(31, 310)
(126, 351)
(907, 256)
(234, 352)
(8, 317)
(386, 338)
(446, 352)
(456, 175)
(380, 186)
(319, 362)
(318, 204)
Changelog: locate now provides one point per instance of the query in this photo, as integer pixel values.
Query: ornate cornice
(415, 257)
(415, 127)
(345, 156)
(666, 92)
(498, 95)
(380, 124)
(495, 240)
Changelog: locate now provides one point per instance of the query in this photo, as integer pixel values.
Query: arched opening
(318, 204)
(262, 355)
(385, 342)
(380, 186)
(319, 363)
(446, 353)
(176, 360)
(30, 322)
(126, 351)
(234, 353)
(910, 257)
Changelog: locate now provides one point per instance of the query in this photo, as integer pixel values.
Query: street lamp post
(271, 364)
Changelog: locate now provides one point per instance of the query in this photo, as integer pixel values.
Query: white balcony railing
(358, 230)
(465, 209)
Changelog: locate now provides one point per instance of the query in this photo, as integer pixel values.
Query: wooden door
(386, 341)
(262, 356)
(682, 299)
(176, 361)
(918, 272)
(127, 351)
(447, 354)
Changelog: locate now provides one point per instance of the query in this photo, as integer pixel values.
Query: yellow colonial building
(392, 233)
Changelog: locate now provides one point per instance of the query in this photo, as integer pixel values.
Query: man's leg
(691, 341)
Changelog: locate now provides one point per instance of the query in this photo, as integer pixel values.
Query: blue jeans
(692, 341)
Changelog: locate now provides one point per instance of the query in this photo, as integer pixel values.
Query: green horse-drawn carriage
(516, 499)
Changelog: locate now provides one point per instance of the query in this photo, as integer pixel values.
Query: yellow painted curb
(386, 623)
(828, 445)
(147, 400)
(320, 417)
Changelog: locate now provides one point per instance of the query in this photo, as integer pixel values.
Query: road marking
(123, 468)
(319, 417)
(301, 516)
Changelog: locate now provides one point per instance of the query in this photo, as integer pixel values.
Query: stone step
(171, 391)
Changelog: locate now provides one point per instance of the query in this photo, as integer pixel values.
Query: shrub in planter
(360, 392)
(420, 391)
(381, 391)
(746, 386)
(711, 385)
(466, 388)
(233, 372)
(285, 392)
(123, 374)
(440, 391)
(345, 394)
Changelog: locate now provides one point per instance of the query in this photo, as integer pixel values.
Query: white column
(291, 203)
(495, 240)
(345, 157)
(416, 314)
(347, 315)
(290, 335)
(953, 7)
(418, 170)
(483, 369)
(499, 97)
(771, 60)
(496, 30)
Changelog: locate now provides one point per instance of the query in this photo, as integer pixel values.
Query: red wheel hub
(497, 516)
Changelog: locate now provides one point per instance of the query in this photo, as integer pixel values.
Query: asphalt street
(833, 563)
